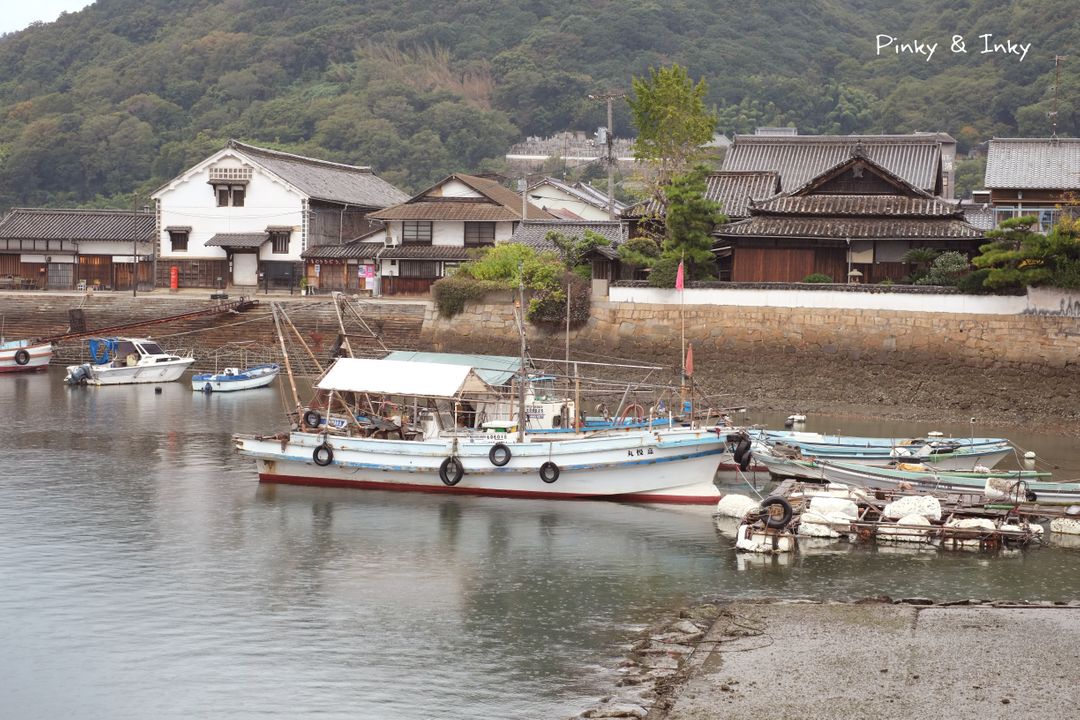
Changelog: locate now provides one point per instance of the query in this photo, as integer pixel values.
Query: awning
(238, 240)
(394, 377)
(492, 369)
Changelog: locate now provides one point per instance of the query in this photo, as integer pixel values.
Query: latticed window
(479, 233)
(280, 241)
(414, 231)
(419, 269)
(179, 240)
(230, 195)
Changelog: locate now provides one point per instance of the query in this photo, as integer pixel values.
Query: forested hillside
(123, 95)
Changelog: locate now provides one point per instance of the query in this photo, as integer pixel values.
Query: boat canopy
(396, 377)
(492, 369)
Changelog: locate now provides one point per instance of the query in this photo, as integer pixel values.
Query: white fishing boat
(124, 361)
(24, 355)
(420, 444)
(233, 379)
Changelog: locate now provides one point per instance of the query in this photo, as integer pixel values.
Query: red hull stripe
(23, 368)
(458, 490)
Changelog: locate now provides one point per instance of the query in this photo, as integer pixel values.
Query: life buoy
(777, 523)
(323, 455)
(312, 418)
(21, 357)
(450, 472)
(549, 472)
(499, 454)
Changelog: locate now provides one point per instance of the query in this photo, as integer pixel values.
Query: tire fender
(776, 523)
(499, 454)
(323, 455)
(549, 472)
(451, 471)
(312, 419)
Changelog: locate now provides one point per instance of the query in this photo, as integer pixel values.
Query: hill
(121, 96)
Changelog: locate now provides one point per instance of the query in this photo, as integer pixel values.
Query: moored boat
(233, 379)
(24, 355)
(124, 361)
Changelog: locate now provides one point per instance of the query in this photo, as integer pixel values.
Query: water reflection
(146, 573)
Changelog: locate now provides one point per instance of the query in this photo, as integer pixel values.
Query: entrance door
(60, 276)
(245, 269)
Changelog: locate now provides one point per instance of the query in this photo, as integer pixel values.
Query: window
(179, 240)
(230, 195)
(419, 269)
(280, 241)
(479, 233)
(413, 231)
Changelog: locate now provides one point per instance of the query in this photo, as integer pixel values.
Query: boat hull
(675, 468)
(158, 372)
(24, 357)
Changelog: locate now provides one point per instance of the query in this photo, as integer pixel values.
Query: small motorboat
(232, 379)
(24, 355)
(124, 361)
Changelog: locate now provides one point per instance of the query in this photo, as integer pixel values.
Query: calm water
(145, 573)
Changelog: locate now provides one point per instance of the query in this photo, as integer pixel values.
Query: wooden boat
(811, 442)
(123, 361)
(1024, 486)
(233, 379)
(943, 456)
(353, 448)
(24, 355)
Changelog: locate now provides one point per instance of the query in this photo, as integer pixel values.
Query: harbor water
(146, 573)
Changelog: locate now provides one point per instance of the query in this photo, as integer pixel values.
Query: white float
(925, 506)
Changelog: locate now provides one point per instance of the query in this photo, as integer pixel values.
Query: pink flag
(689, 359)
(679, 277)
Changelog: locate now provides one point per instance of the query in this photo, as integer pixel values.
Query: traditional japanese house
(1033, 176)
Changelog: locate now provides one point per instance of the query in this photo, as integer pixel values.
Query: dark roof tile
(50, 224)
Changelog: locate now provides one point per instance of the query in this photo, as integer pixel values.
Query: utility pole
(610, 97)
(1054, 113)
(135, 246)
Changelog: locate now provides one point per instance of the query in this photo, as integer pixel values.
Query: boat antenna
(521, 332)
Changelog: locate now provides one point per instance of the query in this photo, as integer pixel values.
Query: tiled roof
(1033, 163)
(585, 193)
(980, 216)
(49, 224)
(238, 240)
(426, 252)
(535, 234)
(802, 226)
(798, 158)
(732, 189)
(324, 180)
(498, 203)
(355, 250)
(857, 205)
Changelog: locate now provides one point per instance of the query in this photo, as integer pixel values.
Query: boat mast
(521, 332)
(285, 356)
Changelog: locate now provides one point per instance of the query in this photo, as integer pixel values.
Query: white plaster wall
(448, 234)
(745, 297)
(1054, 301)
(548, 197)
(191, 202)
(455, 188)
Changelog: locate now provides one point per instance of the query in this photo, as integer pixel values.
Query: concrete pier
(880, 660)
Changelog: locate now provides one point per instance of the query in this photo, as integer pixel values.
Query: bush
(451, 293)
(548, 306)
(817, 278)
(945, 269)
(664, 271)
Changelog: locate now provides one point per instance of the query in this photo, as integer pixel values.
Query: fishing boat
(232, 379)
(942, 455)
(813, 443)
(1006, 485)
(123, 361)
(383, 424)
(24, 355)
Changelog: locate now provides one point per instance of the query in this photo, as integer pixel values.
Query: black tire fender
(451, 471)
(771, 521)
(549, 472)
(21, 357)
(499, 454)
(323, 455)
(744, 464)
(741, 450)
(312, 418)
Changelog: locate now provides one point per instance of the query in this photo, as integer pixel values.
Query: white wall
(547, 196)
(191, 201)
(746, 297)
(451, 234)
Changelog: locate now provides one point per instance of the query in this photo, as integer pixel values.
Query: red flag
(689, 359)
(679, 277)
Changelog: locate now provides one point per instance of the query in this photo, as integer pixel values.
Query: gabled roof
(858, 162)
(50, 224)
(797, 158)
(732, 189)
(534, 234)
(1033, 163)
(496, 203)
(325, 180)
(581, 191)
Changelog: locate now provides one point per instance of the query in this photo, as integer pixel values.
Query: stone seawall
(903, 364)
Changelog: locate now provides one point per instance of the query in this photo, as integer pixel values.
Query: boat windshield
(543, 387)
(124, 348)
(152, 348)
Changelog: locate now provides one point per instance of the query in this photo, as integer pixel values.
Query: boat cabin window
(152, 349)
(125, 348)
(543, 387)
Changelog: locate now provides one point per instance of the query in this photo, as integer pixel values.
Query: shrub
(945, 269)
(664, 271)
(451, 293)
(548, 306)
(817, 278)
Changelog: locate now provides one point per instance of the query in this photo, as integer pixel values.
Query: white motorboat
(123, 361)
(233, 379)
(339, 442)
(24, 355)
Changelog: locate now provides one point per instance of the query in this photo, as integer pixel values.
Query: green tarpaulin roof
(492, 369)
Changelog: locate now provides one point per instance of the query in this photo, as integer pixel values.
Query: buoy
(157, 391)
(934, 433)
(797, 418)
(1029, 455)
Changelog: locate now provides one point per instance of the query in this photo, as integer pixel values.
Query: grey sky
(18, 14)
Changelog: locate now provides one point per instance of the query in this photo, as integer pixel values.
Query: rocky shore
(877, 658)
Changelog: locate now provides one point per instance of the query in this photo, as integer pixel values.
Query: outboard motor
(78, 374)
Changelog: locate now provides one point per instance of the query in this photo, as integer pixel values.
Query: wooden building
(1033, 176)
(855, 216)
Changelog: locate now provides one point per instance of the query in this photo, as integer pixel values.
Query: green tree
(1006, 256)
(672, 122)
(946, 269)
(688, 225)
(920, 257)
(575, 250)
(639, 252)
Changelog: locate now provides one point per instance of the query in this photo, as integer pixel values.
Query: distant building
(244, 215)
(1032, 176)
(574, 148)
(576, 201)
